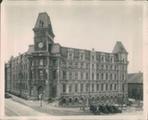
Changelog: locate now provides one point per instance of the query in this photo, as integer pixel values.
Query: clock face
(40, 45)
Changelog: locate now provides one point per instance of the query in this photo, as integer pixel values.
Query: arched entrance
(70, 100)
(76, 100)
(40, 90)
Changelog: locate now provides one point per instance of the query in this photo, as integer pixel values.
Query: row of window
(68, 88)
(37, 62)
(85, 65)
(82, 56)
(94, 76)
(22, 66)
(38, 74)
(19, 86)
(20, 76)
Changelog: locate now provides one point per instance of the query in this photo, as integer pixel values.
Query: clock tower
(43, 33)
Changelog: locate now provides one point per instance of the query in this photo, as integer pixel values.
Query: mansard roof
(30, 49)
(119, 48)
(43, 21)
(135, 77)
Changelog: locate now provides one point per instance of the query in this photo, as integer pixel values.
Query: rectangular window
(64, 75)
(76, 87)
(111, 76)
(102, 67)
(106, 76)
(81, 56)
(92, 66)
(102, 76)
(64, 88)
(92, 87)
(92, 76)
(87, 87)
(123, 77)
(81, 76)
(76, 64)
(41, 62)
(41, 75)
(70, 88)
(97, 87)
(82, 65)
(92, 57)
(102, 86)
(123, 87)
(54, 74)
(111, 87)
(70, 75)
(54, 62)
(87, 66)
(97, 76)
(86, 76)
(106, 86)
(81, 87)
(115, 86)
(76, 76)
(115, 77)
(97, 66)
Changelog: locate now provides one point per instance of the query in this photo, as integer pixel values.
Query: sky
(78, 26)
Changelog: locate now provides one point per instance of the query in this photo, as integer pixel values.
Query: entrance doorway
(40, 91)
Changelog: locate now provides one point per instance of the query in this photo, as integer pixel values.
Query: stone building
(70, 74)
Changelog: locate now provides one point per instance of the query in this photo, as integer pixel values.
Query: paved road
(32, 108)
(13, 108)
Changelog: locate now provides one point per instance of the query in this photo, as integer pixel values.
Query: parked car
(104, 109)
(7, 95)
(117, 110)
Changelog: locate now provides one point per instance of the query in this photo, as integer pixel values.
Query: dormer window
(41, 23)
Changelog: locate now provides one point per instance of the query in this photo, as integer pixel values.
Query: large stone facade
(70, 74)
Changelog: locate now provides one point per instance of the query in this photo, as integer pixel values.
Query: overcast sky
(79, 26)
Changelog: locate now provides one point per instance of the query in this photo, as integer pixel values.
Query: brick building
(135, 86)
(70, 74)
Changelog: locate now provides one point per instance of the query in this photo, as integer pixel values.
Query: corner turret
(120, 52)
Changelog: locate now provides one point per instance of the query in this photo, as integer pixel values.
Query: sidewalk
(49, 108)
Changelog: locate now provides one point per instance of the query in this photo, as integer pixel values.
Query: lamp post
(41, 98)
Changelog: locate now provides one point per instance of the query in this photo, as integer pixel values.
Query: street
(13, 108)
(19, 107)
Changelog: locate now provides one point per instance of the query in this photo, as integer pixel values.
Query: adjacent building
(69, 74)
(135, 86)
